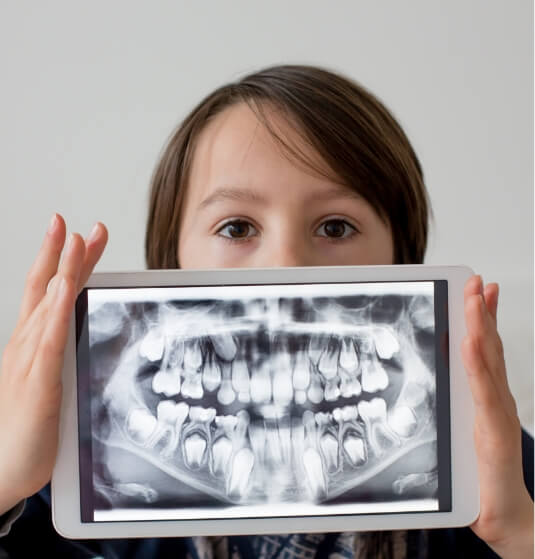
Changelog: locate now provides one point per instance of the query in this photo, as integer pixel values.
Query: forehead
(235, 148)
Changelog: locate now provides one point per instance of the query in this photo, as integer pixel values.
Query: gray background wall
(91, 91)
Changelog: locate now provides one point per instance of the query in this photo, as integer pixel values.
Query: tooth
(332, 392)
(328, 362)
(225, 395)
(152, 345)
(410, 481)
(192, 387)
(224, 346)
(301, 374)
(348, 355)
(240, 379)
(226, 422)
(380, 436)
(194, 447)
(309, 426)
(175, 354)
(211, 375)
(192, 355)
(374, 377)
(282, 387)
(171, 416)
(298, 440)
(285, 439)
(257, 436)
(242, 466)
(329, 447)
(140, 425)
(300, 397)
(316, 347)
(349, 413)
(260, 385)
(323, 419)
(221, 451)
(414, 394)
(355, 449)
(315, 392)
(201, 415)
(385, 342)
(314, 472)
(402, 420)
(273, 443)
(166, 381)
(349, 386)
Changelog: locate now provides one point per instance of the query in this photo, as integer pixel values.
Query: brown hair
(360, 141)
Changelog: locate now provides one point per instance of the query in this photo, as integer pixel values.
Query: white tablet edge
(465, 485)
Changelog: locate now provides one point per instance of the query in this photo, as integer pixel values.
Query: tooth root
(328, 362)
(286, 442)
(194, 450)
(152, 345)
(257, 436)
(273, 444)
(240, 472)
(141, 425)
(298, 440)
(329, 448)
(315, 391)
(192, 387)
(332, 392)
(374, 377)
(221, 451)
(166, 382)
(192, 355)
(225, 394)
(348, 355)
(403, 421)
(316, 347)
(211, 375)
(260, 385)
(224, 346)
(386, 343)
(240, 380)
(314, 473)
(282, 387)
(355, 449)
(301, 373)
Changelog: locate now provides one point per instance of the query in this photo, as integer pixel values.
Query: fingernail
(94, 233)
(53, 223)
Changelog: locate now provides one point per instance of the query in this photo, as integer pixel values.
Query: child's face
(247, 205)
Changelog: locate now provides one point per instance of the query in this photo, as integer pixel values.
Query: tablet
(249, 401)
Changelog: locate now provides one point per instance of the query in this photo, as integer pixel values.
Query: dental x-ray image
(258, 400)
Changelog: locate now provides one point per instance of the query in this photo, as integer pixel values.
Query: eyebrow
(240, 194)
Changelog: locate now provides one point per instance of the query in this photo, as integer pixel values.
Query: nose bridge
(287, 248)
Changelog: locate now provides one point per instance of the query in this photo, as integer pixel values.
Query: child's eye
(236, 230)
(337, 229)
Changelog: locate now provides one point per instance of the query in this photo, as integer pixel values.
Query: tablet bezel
(465, 485)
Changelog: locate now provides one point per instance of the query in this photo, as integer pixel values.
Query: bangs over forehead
(358, 144)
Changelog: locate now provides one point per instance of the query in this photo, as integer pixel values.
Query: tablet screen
(256, 401)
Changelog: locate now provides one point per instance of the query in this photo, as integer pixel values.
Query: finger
(491, 293)
(95, 244)
(43, 268)
(473, 286)
(48, 362)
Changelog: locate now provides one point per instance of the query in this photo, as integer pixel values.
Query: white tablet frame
(464, 480)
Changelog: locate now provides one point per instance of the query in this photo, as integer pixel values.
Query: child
(291, 166)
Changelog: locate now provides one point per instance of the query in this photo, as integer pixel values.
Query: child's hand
(30, 374)
(506, 510)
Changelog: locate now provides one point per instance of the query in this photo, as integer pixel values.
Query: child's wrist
(519, 543)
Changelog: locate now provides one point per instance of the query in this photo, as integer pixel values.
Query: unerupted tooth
(374, 377)
(300, 397)
(348, 355)
(332, 392)
(211, 375)
(380, 435)
(224, 346)
(403, 421)
(316, 346)
(166, 382)
(301, 373)
(386, 343)
(241, 468)
(140, 425)
(314, 472)
(194, 448)
(192, 355)
(202, 415)
(192, 387)
(328, 362)
(414, 394)
(225, 394)
(176, 354)
(221, 451)
(282, 387)
(329, 448)
(152, 345)
(260, 386)
(315, 391)
(355, 449)
(240, 376)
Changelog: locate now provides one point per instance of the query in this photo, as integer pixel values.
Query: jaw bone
(380, 436)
